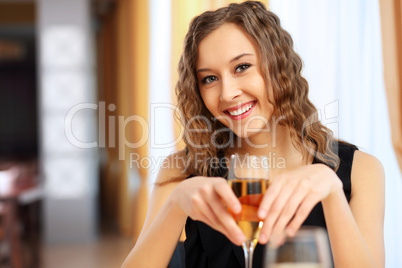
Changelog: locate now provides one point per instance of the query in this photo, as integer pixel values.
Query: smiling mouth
(242, 110)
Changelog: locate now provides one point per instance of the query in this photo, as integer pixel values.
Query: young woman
(240, 90)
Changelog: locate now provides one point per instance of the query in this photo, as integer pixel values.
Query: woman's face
(230, 80)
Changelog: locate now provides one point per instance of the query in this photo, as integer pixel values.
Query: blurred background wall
(69, 162)
(87, 91)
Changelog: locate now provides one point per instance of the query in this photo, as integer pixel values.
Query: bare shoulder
(366, 164)
(367, 171)
(172, 168)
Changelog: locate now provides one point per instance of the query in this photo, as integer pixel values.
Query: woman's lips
(244, 115)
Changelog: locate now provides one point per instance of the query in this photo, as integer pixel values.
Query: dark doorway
(18, 93)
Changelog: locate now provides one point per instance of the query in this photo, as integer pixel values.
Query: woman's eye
(242, 67)
(209, 79)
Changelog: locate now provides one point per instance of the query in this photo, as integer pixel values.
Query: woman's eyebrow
(203, 70)
(232, 60)
(240, 56)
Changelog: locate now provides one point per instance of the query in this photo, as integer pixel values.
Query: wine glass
(249, 178)
(309, 248)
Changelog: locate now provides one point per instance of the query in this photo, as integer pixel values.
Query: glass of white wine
(249, 179)
(309, 248)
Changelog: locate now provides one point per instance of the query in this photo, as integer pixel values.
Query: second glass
(309, 248)
(249, 179)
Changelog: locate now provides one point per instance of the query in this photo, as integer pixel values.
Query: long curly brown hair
(280, 66)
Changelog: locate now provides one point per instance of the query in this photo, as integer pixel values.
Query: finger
(203, 212)
(208, 221)
(200, 211)
(275, 211)
(224, 219)
(229, 226)
(293, 203)
(270, 195)
(225, 193)
(301, 215)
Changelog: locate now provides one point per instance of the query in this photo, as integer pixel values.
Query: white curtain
(161, 121)
(340, 43)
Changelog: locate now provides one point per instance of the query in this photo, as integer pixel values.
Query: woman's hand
(207, 199)
(291, 197)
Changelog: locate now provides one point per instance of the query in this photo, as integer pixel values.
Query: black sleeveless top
(206, 247)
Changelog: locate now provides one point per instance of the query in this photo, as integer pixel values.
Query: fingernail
(262, 213)
(262, 239)
(290, 232)
(241, 238)
(281, 241)
(275, 240)
(237, 208)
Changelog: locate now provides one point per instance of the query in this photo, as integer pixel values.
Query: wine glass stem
(248, 248)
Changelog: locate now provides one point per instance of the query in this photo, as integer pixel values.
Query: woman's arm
(356, 229)
(164, 221)
(201, 198)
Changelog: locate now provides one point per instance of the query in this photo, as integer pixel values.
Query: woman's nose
(229, 90)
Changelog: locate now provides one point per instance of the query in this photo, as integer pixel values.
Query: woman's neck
(276, 145)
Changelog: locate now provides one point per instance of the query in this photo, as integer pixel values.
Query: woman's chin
(252, 131)
(249, 134)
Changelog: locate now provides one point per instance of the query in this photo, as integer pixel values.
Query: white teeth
(242, 110)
